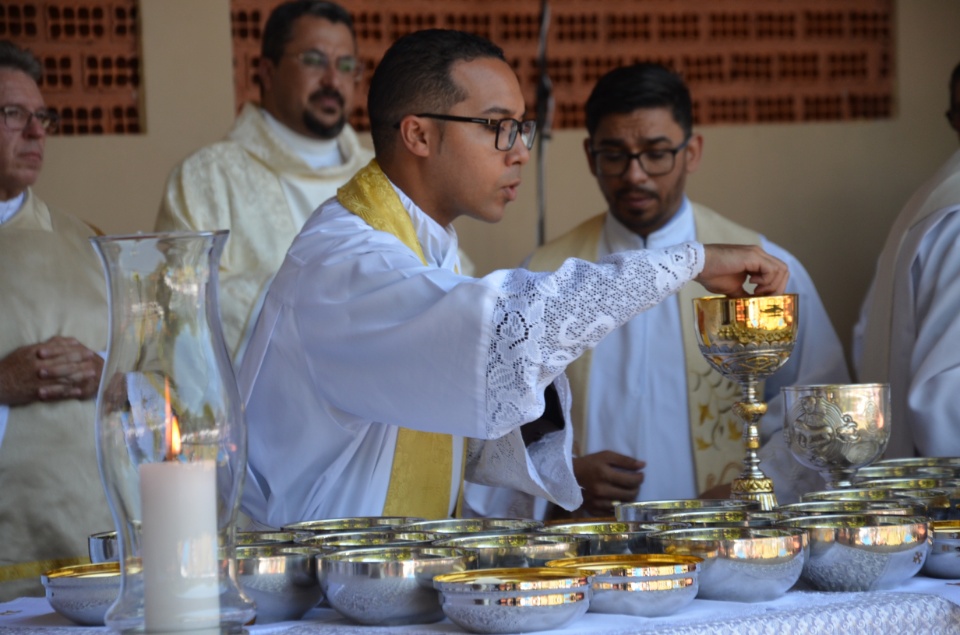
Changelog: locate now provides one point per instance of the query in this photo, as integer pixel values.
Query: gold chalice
(747, 340)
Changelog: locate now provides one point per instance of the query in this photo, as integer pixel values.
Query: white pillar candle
(179, 545)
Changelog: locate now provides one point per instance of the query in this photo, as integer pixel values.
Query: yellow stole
(717, 433)
(420, 478)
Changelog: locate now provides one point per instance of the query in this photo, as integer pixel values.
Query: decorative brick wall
(746, 61)
(90, 51)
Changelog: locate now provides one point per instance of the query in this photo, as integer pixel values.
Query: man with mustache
(652, 420)
(53, 316)
(280, 161)
(379, 377)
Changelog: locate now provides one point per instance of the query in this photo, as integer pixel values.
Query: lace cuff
(543, 321)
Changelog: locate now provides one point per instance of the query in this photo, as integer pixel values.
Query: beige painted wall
(826, 192)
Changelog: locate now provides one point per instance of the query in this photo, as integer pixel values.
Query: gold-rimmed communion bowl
(103, 547)
(747, 340)
(607, 537)
(649, 511)
(836, 428)
(646, 585)
(83, 593)
(824, 507)
(511, 600)
(863, 552)
(328, 543)
(266, 537)
(467, 526)
(389, 586)
(358, 523)
(511, 551)
(717, 518)
(281, 578)
(943, 560)
(740, 564)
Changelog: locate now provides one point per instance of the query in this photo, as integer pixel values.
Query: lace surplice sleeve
(543, 321)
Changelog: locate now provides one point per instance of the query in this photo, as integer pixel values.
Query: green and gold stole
(420, 478)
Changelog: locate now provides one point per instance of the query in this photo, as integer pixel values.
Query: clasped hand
(59, 368)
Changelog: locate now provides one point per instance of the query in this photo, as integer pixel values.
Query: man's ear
(416, 134)
(587, 146)
(694, 151)
(266, 70)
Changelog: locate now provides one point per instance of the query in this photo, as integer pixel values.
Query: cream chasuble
(258, 188)
(716, 431)
(420, 478)
(52, 494)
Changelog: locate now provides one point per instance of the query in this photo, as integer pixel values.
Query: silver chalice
(746, 340)
(837, 428)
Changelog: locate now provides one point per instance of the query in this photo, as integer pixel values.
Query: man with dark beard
(651, 419)
(281, 160)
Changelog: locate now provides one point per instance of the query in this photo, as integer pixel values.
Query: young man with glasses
(652, 419)
(53, 312)
(908, 328)
(281, 160)
(378, 376)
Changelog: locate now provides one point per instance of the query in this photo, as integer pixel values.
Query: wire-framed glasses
(17, 118)
(315, 60)
(657, 162)
(507, 129)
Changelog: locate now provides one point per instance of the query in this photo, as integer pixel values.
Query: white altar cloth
(922, 605)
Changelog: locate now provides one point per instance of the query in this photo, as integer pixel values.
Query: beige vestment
(716, 431)
(50, 483)
(242, 184)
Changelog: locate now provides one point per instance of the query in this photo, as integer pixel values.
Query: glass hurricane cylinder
(171, 436)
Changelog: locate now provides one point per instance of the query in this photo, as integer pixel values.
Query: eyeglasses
(507, 129)
(654, 162)
(315, 60)
(17, 118)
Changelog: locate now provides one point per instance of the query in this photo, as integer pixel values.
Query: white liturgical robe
(638, 403)
(258, 184)
(358, 337)
(909, 332)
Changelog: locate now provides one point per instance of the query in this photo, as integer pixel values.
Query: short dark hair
(414, 77)
(643, 85)
(19, 59)
(276, 33)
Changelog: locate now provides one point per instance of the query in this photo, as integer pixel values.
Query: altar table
(922, 605)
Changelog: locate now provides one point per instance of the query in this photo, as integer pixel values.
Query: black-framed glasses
(655, 162)
(17, 118)
(507, 129)
(315, 60)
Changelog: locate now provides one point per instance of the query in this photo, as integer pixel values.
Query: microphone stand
(544, 119)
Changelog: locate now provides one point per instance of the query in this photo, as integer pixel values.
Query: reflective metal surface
(508, 600)
(747, 340)
(607, 537)
(389, 586)
(647, 585)
(462, 526)
(863, 552)
(740, 564)
(836, 428)
(103, 547)
(518, 550)
(280, 579)
(83, 593)
(943, 561)
(326, 543)
(649, 511)
(331, 525)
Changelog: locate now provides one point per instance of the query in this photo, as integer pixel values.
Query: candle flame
(171, 424)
